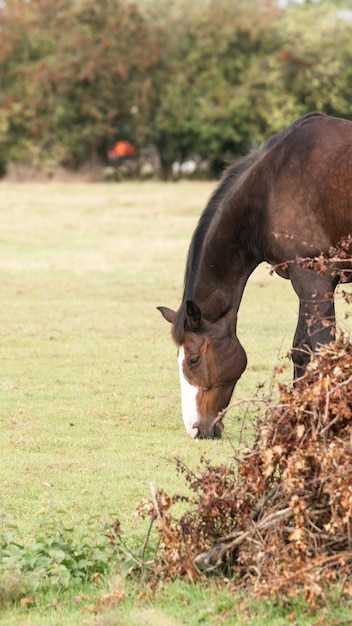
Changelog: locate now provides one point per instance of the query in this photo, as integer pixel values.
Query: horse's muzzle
(214, 432)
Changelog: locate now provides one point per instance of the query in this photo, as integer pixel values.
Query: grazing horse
(289, 200)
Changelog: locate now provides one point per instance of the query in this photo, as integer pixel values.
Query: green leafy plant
(57, 557)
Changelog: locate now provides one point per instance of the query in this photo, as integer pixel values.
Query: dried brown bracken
(280, 517)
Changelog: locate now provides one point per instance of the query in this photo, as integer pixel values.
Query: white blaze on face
(188, 398)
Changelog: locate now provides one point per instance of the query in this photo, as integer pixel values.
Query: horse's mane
(233, 176)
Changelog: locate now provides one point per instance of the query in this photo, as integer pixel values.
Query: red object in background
(121, 149)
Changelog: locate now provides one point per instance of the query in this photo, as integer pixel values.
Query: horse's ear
(168, 314)
(193, 315)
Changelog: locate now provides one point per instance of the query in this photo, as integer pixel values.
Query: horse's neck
(219, 297)
(226, 265)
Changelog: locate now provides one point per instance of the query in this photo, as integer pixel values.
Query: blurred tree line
(206, 79)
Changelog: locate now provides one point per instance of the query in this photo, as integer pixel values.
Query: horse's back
(308, 188)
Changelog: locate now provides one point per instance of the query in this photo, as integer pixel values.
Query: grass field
(89, 392)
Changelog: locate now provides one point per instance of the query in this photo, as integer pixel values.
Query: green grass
(89, 392)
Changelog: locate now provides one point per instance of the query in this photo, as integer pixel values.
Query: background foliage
(203, 80)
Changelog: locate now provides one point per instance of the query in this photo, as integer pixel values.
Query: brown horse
(288, 200)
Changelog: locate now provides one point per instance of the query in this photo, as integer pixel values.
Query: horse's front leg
(316, 319)
(301, 348)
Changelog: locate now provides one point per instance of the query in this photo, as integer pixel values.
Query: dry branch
(281, 515)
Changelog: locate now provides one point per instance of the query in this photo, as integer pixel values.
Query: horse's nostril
(194, 433)
(197, 429)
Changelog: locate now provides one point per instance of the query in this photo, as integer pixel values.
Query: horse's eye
(194, 361)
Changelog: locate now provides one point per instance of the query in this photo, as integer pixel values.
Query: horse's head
(211, 360)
